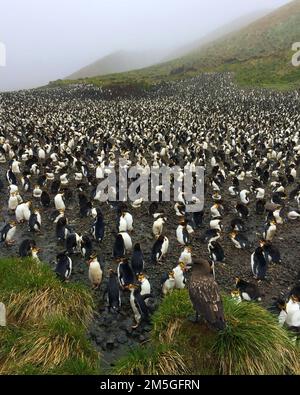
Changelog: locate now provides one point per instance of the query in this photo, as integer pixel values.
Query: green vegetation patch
(47, 322)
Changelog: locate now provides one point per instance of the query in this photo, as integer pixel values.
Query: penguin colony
(56, 145)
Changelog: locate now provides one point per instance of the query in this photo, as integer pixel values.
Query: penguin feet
(10, 243)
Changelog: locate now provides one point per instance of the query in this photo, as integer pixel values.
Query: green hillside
(118, 62)
(259, 54)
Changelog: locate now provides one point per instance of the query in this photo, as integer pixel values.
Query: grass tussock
(174, 306)
(161, 359)
(252, 344)
(47, 320)
(32, 293)
(49, 346)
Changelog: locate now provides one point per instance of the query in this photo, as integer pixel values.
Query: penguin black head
(295, 294)
(137, 247)
(61, 255)
(160, 238)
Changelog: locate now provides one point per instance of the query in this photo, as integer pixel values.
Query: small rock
(122, 338)
(129, 330)
(147, 328)
(127, 326)
(100, 339)
(110, 342)
(135, 333)
(107, 322)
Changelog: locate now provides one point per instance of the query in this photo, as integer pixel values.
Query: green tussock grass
(47, 322)
(75, 367)
(173, 307)
(161, 359)
(252, 344)
(48, 347)
(32, 292)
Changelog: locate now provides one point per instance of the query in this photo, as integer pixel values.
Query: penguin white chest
(137, 315)
(168, 286)
(129, 219)
(95, 273)
(13, 202)
(165, 246)
(186, 257)
(122, 225)
(59, 203)
(236, 244)
(145, 287)
(11, 233)
(157, 227)
(179, 278)
(26, 213)
(271, 233)
(179, 234)
(127, 241)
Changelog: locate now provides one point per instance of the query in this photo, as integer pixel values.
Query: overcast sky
(49, 39)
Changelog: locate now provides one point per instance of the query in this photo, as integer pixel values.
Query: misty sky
(49, 39)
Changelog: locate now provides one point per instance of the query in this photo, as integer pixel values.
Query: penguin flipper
(164, 278)
(105, 293)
